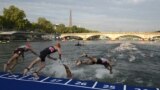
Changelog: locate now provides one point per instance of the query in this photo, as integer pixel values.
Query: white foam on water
(125, 46)
(56, 70)
(151, 55)
(139, 80)
(108, 55)
(132, 58)
(101, 73)
(78, 73)
(121, 80)
(120, 55)
(128, 47)
(143, 55)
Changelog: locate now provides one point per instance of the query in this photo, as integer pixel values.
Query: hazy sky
(100, 15)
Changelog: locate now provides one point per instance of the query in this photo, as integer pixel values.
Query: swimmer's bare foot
(5, 67)
(35, 74)
(25, 71)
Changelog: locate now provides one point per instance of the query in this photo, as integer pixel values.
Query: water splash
(125, 46)
(139, 80)
(56, 70)
(132, 58)
(78, 73)
(102, 73)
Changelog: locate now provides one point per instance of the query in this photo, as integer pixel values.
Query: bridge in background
(114, 35)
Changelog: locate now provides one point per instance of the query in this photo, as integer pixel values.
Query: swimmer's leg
(10, 62)
(31, 65)
(36, 74)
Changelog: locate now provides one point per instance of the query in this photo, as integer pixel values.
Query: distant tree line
(15, 19)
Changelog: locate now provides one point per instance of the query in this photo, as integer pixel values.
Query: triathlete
(16, 54)
(41, 59)
(93, 60)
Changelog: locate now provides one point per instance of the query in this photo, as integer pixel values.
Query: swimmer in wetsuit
(16, 54)
(41, 59)
(94, 60)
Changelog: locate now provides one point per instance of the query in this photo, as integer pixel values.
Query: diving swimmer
(11, 63)
(41, 59)
(93, 60)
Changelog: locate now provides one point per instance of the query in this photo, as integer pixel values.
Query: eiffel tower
(70, 19)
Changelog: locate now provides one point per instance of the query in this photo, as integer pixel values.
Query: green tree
(45, 25)
(14, 18)
(34, 27)
(74, 29)
(61, 28)
(1, 22)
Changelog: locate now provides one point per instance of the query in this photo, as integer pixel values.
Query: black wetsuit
(20, 50)
(102, 61)
(46, 52)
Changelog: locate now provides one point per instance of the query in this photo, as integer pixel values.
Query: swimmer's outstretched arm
(33, 52)
(90, 57)
(60, 53)
(109, 67)
(51, 57)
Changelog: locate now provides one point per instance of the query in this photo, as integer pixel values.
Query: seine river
(135, 63)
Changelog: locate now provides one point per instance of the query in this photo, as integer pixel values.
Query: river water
(135, 63)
